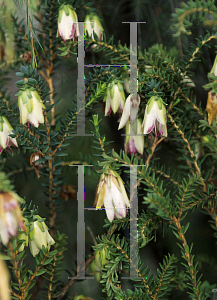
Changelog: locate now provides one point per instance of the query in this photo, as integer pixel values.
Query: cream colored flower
(114, 98)
(112, 194)
(155, 117)
(67, 23)
(5, 130)
(31, 107)
(39, 237)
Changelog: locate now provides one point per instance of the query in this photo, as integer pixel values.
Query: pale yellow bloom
(112, 194)
(39, 237)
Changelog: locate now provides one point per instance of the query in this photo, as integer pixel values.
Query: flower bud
(31, 107)
(98, 263)
(67, 23)
(5, 130)
(211, 107)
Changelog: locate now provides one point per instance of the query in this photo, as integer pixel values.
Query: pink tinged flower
(155, 117)
(10, 216)
(5, 130)
(93, 24)
(130, 110)
(39, 237)
(134, 143)
(114, 98)
(4, 281)
(67, 23)
(31, 107)
(111, 193)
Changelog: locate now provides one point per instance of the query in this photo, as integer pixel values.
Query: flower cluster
(68, 24)
(112, 194)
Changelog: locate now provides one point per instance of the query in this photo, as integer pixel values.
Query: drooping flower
(130, 110)
(4, 281)
(67, 23)
(5, 130)
(112, 194)
(31, 107)
(211, 106)
(10, 216)
(93, 24)
(114, 98)
(155, 117)
(134, 142)
(39, 236)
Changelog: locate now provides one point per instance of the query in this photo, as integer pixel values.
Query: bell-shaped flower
(134, 142)
(4, 281)
(93, 24)
(114, 98)
(39, 236)
(5, 130)
(67, 23)
(211, 106)
(10, 216)
(31, 107)
(130, 110)
(155, 117)
(112, 194)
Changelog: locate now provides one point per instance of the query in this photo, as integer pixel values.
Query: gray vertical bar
(81, 225)
(81, 83)
(133, 222)
(133, 59)
(133, 64)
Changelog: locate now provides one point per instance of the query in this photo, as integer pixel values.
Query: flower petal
(117, 200)
(109, 205)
